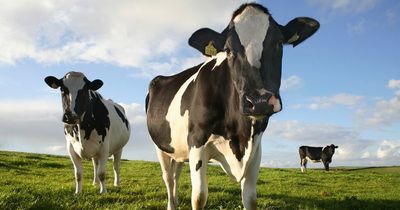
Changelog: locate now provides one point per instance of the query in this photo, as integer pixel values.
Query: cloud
(292, 82)
(349, 6)
(389, 150)
(284, 138)
(384, 113)
(134, 34)
(394, 84)
(344, 99)
(35, 126)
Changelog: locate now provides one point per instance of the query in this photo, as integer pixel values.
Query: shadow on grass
(345, 202)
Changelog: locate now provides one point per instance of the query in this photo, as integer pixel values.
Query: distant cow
(316, 154)
(94, 128)
(219, 109)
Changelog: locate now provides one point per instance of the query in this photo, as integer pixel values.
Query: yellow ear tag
(210, 49)
(294, 38)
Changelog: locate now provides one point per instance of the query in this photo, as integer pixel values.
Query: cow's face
(253, 44)
(74, 88)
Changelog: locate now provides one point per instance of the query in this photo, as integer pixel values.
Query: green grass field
(33, 181)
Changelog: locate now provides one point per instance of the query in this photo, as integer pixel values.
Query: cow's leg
(95, 168)
(303, 165)
(176, 169)
(101, 172)
(116, 167)
(198, 168)
(326, 165)
(249, 182)
(171, 171)
(78, 169)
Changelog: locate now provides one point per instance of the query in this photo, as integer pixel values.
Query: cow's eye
(229, 52)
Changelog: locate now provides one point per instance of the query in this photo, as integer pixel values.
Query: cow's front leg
(249, 182)
(78, 169)
(326, 165)
(198, 168)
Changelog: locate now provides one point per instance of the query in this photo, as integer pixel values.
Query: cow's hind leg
(78, 169)
(95, 168)
(249, 182)
(116, 167)
(198, 169)
(101, 172)
(171, 171)
(303, 164)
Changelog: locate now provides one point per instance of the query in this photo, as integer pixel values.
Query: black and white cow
(316, 154)
(94, 128)
(219, 109)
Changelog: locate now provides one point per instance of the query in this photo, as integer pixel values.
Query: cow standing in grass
(219, 109)
(94, 128)
(316, 154)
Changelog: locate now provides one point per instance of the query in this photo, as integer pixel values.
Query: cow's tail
(147, 102)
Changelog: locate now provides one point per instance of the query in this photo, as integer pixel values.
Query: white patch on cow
(74, 82)
(314, 161)
(220, 57)
(252, 26)
(218, 148)
(179, 123)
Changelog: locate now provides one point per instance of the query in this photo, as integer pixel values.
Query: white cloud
(383, 114)
(394, 84)
(125, 33)
(389, 150)
(343, 99)
(291, 82)
(353, 148)
(349, 6)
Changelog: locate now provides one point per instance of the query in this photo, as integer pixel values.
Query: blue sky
(341, 86)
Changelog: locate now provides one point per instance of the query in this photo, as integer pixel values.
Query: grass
(33, 181)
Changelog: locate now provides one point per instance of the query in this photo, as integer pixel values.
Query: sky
(341, 86)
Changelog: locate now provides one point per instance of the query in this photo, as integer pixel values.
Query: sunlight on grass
(33, 181)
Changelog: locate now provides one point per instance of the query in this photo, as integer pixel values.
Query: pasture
(36, 181)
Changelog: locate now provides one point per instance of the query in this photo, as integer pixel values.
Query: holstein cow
(95, 128)
(219, 109)
(316, 154)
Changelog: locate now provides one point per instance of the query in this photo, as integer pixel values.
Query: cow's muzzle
(261, 105)
(70, 118)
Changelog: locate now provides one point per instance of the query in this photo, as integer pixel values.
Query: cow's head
(328, 151)
(253, 44)
(74, 88)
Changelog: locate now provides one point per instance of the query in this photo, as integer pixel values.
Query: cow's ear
(53, 82)
(336, 147)
(298, 30)
(95, 84)
(207, 41)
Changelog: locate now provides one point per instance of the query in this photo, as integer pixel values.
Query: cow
(316, 154)
(219, 109)
(94, 128)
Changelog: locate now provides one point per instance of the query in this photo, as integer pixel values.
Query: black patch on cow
(161, 92)
(122, 116)
(96, 117)
(198, 165)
